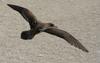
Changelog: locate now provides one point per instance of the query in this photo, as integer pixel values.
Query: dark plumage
(37, 27)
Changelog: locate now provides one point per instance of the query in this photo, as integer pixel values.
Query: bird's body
(36, 27)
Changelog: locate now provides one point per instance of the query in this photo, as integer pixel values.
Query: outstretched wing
(26, 14)
(68, 37)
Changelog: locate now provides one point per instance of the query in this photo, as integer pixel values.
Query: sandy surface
(81, 18)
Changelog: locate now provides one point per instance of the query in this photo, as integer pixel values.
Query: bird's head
(51, 25)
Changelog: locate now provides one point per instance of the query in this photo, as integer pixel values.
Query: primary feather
(68, 37)
(28, 16)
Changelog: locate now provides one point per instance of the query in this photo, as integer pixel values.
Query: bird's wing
(68, 37)
(25, 13)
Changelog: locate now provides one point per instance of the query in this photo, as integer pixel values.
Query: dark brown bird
(36, 27)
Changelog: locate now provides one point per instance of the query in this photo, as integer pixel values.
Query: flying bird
(37, 26)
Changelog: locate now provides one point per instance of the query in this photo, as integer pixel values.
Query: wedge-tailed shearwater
(36, 27)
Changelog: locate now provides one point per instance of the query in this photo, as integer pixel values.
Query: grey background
(81, 18)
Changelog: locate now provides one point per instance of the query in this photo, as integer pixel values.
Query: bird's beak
(55, 27)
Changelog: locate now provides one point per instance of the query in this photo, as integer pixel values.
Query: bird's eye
(51, 24)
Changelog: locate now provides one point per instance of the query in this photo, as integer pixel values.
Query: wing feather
(68, 37)
(25, 13)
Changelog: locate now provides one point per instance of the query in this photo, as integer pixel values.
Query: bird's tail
(29, 34)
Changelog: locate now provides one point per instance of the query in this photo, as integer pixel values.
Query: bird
(36, 27)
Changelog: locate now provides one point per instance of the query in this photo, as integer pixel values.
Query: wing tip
(85, 50)
(15, 7)
(10, 5)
